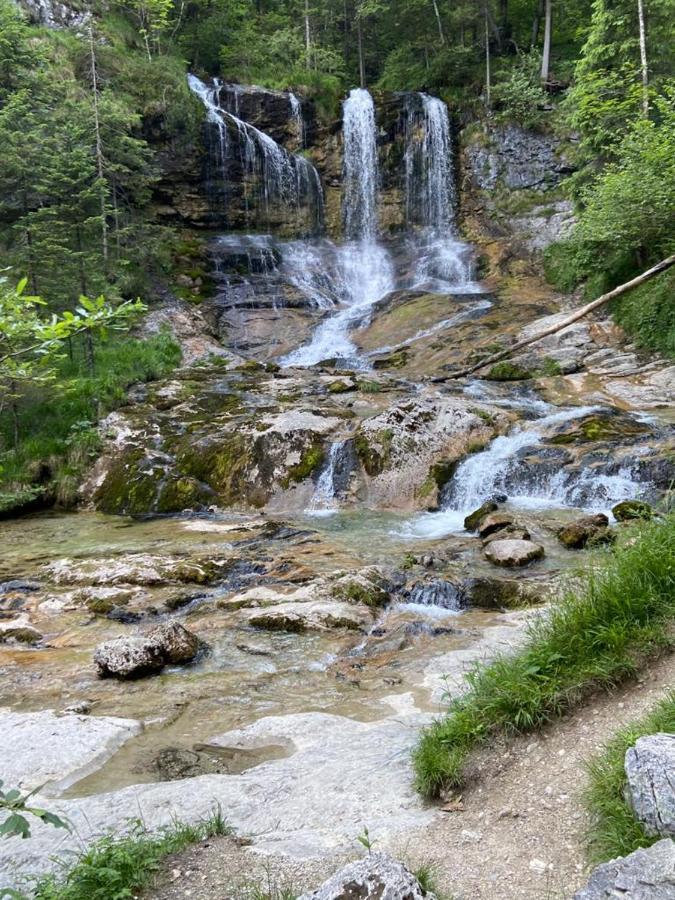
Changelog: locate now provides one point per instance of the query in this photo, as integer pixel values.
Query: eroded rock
(320, 615)
(472, 521)
(501, 593)
(643, 875)
(632, 509)
(375, 877)
(650, 773)
(589, 529)
(513, 553)
(138, 655)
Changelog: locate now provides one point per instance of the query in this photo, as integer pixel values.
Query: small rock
(472, 521)
(538, 866)
(19, 630)
(493, 522)
(511, 532)
(375, 877)
(139, 655)
(632, 509)
(500, 593)
(512, 553)
(83, 708)
(650, 774)
(647, 874)
(18, 586)
(178, 645)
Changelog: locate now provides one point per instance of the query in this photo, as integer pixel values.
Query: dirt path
(518, 836)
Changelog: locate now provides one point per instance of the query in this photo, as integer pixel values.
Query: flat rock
(43, 749)
(375, 877)
(512, 553)
(313, 616)
(650, 772)
(643, 875)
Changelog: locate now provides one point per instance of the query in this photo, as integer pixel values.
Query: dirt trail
(518, 836)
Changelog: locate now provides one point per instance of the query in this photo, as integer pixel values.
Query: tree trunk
(536, 22)
(362, 64)
(569, 320)
(14, 406)
(99, 152)
(546, 55)
(643, 60)
(441, 34)
(308, 36)
(487, 60)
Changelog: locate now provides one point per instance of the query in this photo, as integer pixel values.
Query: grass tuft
(614, 830)
(593, 639)
(117, 866)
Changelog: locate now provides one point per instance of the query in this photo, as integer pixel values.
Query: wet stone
(513, 553)
(472, 521)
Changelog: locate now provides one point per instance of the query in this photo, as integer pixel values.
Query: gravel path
(517, 836)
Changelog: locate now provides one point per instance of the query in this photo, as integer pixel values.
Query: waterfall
(296, 115)
(280, 178)
(361, 271)
(337, 468)
(430, 192)
(360, 166)
(437, 593)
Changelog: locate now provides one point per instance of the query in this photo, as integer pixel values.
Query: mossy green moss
(374, 451)
(310, 460)
(508, 371)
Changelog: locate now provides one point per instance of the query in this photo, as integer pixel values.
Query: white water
(323, 502)
(500, 470)
(282, 178)
(360, 272)
(296, 113)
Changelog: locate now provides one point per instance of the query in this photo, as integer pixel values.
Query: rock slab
(375, 877)
(513, 553)
(643, 875)
(650, 772)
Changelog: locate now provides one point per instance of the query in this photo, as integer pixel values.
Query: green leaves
(16, 824)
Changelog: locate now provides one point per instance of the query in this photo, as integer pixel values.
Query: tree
(546, 55)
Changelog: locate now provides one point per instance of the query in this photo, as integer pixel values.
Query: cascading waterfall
(442, 263)
(361, 270)
(282, 178)
(500, 469)
(296, 114)
(323, 501)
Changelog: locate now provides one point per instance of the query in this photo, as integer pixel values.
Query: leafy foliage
(16, 805)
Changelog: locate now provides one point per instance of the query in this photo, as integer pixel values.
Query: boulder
(512, 553)
(632, 509)
(178, 645)
(319, 615)
(473, 519)
(495, 521)
(375, 877)
(590, 529)
(511, 532)
(138, 655)
(650, 774)
(20, 630)
(500, 593)
(647, 874)
(368, 586)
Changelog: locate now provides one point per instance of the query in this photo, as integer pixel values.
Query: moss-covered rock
(369, 587)
(508, 371)
(499, 593)
(632, 509)
(472, 521)
(588, 530)
(599, 427)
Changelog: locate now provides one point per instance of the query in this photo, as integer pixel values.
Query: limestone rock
(500, 593)
(318, 615)
(473, 520)
(178, 645)
(368, 586)
(643, 875)
(650, 771)
(493, 522)
(632, 509)
(375, 877)
(511, 553)
(51, 752)
(138, 655)
(20, 630)
(509, 532)
(591, 529)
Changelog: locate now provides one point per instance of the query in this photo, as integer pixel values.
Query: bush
(518, 96)
(593, 639)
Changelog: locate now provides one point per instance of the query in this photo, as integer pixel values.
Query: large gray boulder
(650, 771)
(146, 654)
(643, 875)
(375, 877)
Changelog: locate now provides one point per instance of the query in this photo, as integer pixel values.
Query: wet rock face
(53, 14)
(516, 158)
(140, 655)
(374, 877)
(499, 593)
(643, 875)
(650, 773)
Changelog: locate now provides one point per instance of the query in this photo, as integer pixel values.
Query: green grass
(117, 866)
(593, 638)
(614, 830)
(57, 438)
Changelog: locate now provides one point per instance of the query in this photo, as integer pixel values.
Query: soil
(517, 831)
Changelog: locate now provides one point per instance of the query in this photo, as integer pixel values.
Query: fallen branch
(579, 314)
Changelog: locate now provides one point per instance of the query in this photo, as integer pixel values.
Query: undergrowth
(595, 637)
(614, 830)
(57, 437)
(117, 866)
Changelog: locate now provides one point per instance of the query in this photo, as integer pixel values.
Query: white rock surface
(41, 748)
(643, 875)
(375, 877)
(650, 775)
